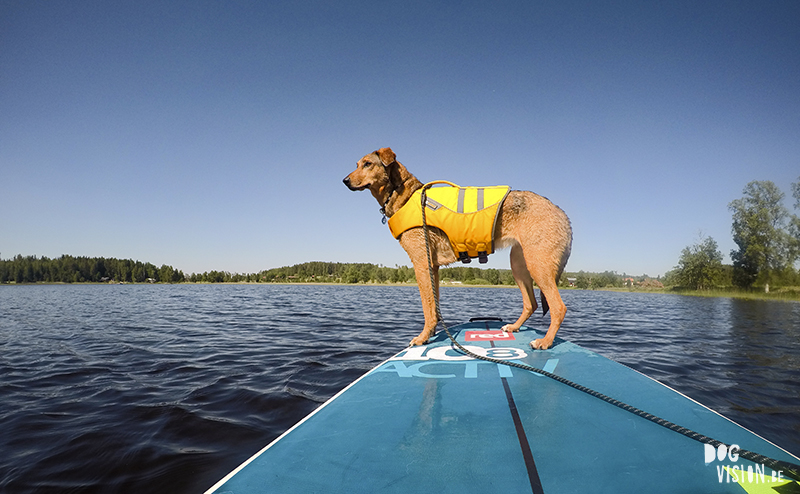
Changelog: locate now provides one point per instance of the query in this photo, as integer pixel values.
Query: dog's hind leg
(522, 276)
(548, 283)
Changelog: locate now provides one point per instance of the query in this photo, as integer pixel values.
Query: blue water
(165, 388)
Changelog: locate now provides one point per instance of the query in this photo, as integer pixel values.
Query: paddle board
(431, 419)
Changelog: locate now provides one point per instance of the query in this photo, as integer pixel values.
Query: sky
(215, 135)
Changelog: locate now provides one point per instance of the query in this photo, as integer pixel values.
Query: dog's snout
(346, 181)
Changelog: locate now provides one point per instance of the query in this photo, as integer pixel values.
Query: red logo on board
(488, 336)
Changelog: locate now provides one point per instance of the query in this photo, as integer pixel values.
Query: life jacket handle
(436, 182)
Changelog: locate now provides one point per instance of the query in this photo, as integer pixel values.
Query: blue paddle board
(431, 419)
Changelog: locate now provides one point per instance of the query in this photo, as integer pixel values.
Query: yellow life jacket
(466, 214)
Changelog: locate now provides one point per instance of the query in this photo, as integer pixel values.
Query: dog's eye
(367, 164)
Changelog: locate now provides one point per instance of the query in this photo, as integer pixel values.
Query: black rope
(789, 469)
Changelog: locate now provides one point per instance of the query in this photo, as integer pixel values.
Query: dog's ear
(386, 155)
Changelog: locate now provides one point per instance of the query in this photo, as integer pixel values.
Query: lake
(166, 388)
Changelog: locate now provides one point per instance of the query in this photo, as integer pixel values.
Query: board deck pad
(431, 419)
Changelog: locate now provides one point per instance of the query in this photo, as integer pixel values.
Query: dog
(538, 232)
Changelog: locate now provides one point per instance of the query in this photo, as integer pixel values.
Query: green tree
(165, 273)
(98, 270)
(492, 276)
(351, 275)
(759, 221)
(794, 223)
(583, 280)
(123, 271)
(606, 279)
(507, 277)
(137, 273)
(700, 265)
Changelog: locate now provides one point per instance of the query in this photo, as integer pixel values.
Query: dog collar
(386, 203)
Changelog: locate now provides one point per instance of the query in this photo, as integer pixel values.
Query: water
(166, 388)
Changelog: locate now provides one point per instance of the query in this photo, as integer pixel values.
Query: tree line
(324, 272)
(69, 269)
(767, 236)
(334, 272)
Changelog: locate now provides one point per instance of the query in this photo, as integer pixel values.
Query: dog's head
(373, 171)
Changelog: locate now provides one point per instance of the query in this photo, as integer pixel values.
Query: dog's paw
(419, 340)
(541, 344)
(509, 328)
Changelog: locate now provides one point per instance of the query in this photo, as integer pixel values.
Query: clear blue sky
(215, 135)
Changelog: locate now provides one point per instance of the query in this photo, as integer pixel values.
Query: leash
(789, 469)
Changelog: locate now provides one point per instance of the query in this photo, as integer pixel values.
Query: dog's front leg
(428, 300)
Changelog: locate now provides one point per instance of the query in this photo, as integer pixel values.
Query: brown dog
(538, 232)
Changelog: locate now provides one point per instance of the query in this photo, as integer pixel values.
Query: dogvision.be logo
(726, 460)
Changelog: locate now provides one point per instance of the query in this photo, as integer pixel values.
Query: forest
(69, 269)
